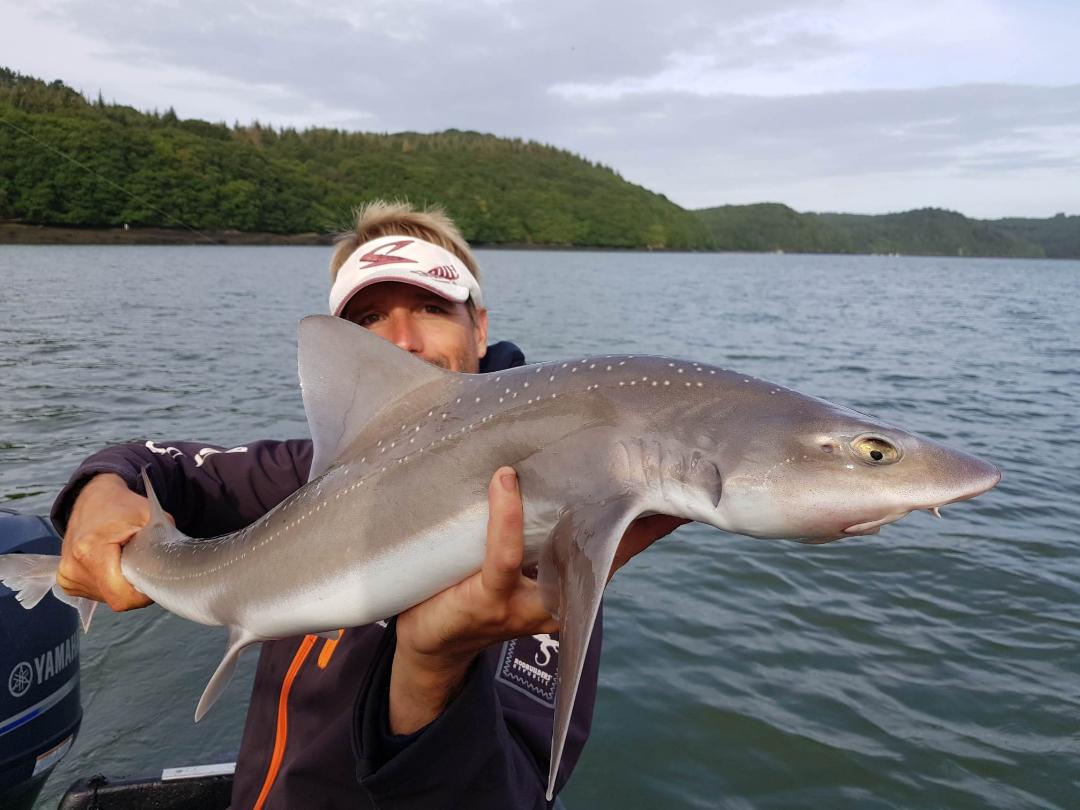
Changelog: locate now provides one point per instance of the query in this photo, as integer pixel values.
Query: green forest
(67, 160)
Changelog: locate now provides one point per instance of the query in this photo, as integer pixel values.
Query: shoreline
(19, 233)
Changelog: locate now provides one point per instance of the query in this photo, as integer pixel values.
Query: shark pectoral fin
(576, 565)
(238, 639)
(347, 375)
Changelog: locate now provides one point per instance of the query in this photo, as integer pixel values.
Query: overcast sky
(836, 105)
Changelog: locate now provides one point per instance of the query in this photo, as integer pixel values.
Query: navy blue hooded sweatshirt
(317, 734)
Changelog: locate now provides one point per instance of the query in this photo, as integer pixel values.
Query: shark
(395, 508)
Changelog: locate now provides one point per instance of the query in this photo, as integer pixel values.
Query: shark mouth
(872, 526)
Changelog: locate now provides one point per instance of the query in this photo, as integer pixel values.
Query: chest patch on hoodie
(530, 665)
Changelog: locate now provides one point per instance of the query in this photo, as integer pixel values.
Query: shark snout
(968, 478)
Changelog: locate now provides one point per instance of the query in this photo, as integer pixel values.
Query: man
(451, 704)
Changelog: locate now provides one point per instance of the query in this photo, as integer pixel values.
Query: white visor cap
(406, 259)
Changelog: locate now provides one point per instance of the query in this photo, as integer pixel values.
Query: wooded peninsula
(71, 167)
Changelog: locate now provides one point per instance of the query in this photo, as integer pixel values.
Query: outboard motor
(39, 673)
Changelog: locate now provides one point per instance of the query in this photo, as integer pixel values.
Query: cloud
(975, 148)
(704, 101)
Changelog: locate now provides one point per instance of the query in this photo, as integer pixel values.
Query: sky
(864, 106)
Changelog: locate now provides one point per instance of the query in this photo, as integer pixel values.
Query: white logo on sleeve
(200, 457)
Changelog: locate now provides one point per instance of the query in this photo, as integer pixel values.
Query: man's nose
(404, 332)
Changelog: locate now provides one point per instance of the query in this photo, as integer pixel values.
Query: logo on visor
(444, 271)
(384, 254)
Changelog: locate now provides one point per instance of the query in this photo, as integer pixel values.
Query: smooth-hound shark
(395, 509)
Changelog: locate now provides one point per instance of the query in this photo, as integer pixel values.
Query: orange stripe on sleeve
(283, 719)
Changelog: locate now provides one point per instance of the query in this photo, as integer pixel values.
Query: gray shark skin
(396, 506)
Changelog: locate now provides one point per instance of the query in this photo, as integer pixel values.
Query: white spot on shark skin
(551, 378)
(609, 368)
(526, 384)
(679, 370)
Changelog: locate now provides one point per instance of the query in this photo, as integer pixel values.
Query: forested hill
(155, 169)
(927, 231)
(66, 160)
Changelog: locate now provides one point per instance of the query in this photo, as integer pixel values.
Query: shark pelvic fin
(347, 376)
(574, 570)
(238, 639)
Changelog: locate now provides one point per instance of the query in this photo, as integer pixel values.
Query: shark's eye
(875, 450)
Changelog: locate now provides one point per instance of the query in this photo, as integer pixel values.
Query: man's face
(423, 323)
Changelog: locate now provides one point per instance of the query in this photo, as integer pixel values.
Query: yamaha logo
(21, 679)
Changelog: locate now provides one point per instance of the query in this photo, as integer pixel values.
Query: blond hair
(398, 218)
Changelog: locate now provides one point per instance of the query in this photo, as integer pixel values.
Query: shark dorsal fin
(348, 375)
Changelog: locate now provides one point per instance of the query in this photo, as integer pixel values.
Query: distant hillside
(69, 161)
(254, 178)
(927, 231)
(1059, 236)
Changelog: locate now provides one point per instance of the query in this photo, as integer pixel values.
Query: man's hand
(641, 534)
(438, 639)
(105, 517)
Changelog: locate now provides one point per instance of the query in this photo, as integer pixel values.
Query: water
(934, 665)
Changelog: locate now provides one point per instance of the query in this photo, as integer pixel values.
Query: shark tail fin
(32, 576)
(238, 639)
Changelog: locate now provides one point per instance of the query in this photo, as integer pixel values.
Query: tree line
(72, 161)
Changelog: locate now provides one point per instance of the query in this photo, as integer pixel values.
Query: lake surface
(934, 665)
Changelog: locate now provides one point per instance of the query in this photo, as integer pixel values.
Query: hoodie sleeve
(488, 750)
(209, 490)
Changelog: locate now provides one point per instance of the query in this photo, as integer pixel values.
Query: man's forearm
(421, 690)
